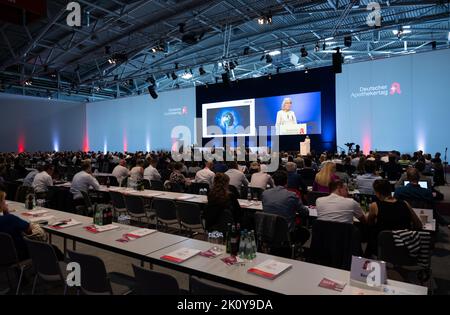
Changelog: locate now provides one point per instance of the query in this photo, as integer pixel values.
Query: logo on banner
(395, 89)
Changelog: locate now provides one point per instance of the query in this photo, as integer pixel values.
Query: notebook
(100, 228)
(270, 269)
(62, 224)
(180, 255)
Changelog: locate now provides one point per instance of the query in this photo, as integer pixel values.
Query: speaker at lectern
(305, 146)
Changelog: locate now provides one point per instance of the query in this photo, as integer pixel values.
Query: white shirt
(261, 180)
(151, 173)
(42, 181)
(286, 118)
(82, 181)
(205, 176)
(120, 172)
(338, 209)
(237, 178)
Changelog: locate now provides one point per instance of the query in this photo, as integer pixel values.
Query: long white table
(302, 278)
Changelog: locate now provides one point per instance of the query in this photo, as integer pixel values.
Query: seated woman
(325, 176)
(389, 214)
(136, 173)
(223, 206)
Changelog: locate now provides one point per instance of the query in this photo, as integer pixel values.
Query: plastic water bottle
(249, 196)
(252, 245)
(243, 245)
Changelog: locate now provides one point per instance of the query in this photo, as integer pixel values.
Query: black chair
(198, 286)
(399, 259)
(256, 192)
(135, 207)
(45, 264)
(149, 282)
(334, 243)
(189, 216)
(308, 176)
(124, 182)
(166, 211)
(195, 187)
(9, 260)
(173, 187)
(312, 196)
(113, 181)
(272, 233)
(94, 278)
(118, 203)
(146, 183)
(156, 185)
(22, 192)
(87, 208)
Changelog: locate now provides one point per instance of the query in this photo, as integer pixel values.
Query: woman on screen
(286, 116)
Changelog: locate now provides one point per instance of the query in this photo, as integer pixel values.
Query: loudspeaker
(337, 62)
(152, 92)
(348, 41)
(226, 78)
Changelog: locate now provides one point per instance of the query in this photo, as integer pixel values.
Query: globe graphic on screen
(227, 120)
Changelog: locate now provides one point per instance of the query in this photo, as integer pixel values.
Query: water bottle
(249, 196)
(242, 245)
(253, 245)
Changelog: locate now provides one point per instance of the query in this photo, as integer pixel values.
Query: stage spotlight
(151, 79)
(176, 65)
(348, 41)
(107, 50)
(231, 65)
(152, 92)
(306, 71)
(324, 46)
(303, 52)
(269, 59)
(246, 51)
(317, 47)
(269, 76)
(433, 45)
(174, 76)
(262, 57)
(201, 71)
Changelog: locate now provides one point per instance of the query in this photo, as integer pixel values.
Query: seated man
(121, 171)
(150, 172)
(365, 182)
(417, 196)
(206, 175)
(337, 207)
(420, 166)
(82, 182)
(260, 179)
(285, 203)
(237, 178)
(295, 180)
(43, 180)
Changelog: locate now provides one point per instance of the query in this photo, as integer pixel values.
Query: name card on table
(368, 272)
(270, 269)
(180, 255)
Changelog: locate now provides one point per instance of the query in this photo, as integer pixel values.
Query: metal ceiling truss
(161, 37)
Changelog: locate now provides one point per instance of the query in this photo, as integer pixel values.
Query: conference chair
(135, 207)
(156, 185)
(334, 243)
(46, 266)
(9, 260)
(166, 212)
(190, 217)
(273, 236)
(22, 192)
(150, 282)
(312, 196)
(195, 187)
(118, 203)
(198, 286)
(398, 258)
(113, 181)
(256, 192)
(146, 183)
(88, 207)
(95, 280)
(124, 182)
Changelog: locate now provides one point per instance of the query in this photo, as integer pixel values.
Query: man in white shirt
(337, 207)
(260, 179)
(237, 178)
(365, 182)
(43, 180)
(150, 172)
(205, 175)
(82, 181)
(120, 171)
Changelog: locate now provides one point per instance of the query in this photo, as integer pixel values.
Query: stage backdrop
(321, 81)
(397, 103)
(139, 123)
(33, 124)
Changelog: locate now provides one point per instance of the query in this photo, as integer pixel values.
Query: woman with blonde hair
(326, 175)
(286, 116)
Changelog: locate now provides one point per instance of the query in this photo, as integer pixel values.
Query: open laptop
(422, 183)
